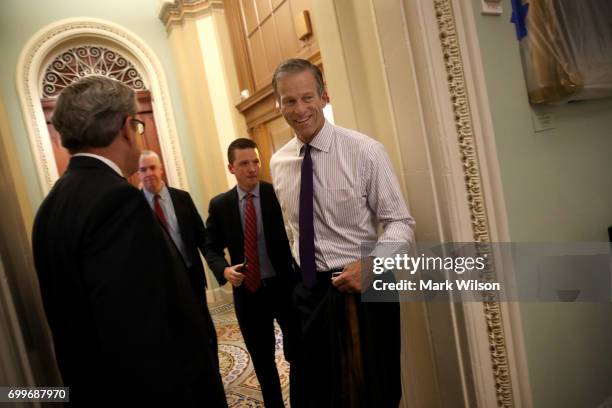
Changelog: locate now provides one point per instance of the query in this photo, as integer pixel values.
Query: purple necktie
(307, 250)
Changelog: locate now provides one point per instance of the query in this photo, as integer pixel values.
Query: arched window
(68, 49)
(84, 60)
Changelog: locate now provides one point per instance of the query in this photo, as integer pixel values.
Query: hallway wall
(560, 173)
(26, 355)
(20, 20)
(557, 187)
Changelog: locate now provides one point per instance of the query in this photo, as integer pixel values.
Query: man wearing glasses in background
(117, 299)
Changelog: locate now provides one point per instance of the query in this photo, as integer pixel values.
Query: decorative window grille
(87, 60)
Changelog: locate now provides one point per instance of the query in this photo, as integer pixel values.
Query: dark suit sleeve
(198, 226)
(215, 242)
(200, 229)
(129, 275)
(276, 236)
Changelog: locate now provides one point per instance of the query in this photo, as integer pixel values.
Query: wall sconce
(303, 27)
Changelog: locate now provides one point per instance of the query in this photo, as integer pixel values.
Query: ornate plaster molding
(30, 70)
(473, 182)
(175, 11)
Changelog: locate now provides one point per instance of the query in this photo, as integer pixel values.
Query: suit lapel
(181, 213)
(234, 216)
(266, 205)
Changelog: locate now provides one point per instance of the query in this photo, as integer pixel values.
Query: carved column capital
(176, 11)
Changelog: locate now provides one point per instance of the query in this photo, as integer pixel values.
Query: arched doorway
(80, 61)
(58, 38)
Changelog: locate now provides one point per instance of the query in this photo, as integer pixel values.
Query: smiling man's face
(301, 104)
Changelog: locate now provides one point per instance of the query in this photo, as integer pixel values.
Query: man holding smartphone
(247, 221)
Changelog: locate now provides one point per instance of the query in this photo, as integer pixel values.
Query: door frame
(53, 38)
(410, 74)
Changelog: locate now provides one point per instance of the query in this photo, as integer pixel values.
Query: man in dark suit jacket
(247, 221)
(125, 325)
(179, 216)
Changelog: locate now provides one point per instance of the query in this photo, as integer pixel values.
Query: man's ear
(325, 97)
(124, 132)
(230, 167)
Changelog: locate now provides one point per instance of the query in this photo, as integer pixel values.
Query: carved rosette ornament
(87, 60)
(480, 224)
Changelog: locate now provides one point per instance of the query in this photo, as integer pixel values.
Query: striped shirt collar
(322, 141)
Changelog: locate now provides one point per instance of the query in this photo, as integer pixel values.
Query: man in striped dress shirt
(336, 187)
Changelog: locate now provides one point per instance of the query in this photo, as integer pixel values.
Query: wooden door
(270, 136)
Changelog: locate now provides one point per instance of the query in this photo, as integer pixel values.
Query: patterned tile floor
(241, 385)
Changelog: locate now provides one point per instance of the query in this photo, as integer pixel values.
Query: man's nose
(300, 107)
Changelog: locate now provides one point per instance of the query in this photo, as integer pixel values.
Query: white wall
(19, 20)
(558, 187)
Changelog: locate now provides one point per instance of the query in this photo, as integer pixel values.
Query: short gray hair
(294, 66)
(149, 153)
(91, 111)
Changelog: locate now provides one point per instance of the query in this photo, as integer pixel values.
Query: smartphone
(242, 265)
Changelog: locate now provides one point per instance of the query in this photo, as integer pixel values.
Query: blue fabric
(519, 14)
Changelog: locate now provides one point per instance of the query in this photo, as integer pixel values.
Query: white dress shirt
(355, 192)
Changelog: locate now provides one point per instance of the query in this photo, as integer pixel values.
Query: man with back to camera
(335, 187)
(247, 220)
(177, 213)
(125, 325)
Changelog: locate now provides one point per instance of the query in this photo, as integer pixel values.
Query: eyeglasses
(140, 126)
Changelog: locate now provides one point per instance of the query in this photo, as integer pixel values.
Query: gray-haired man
(125, 325)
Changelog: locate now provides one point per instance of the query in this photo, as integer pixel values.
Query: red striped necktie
(252, 279)
(159, 211)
